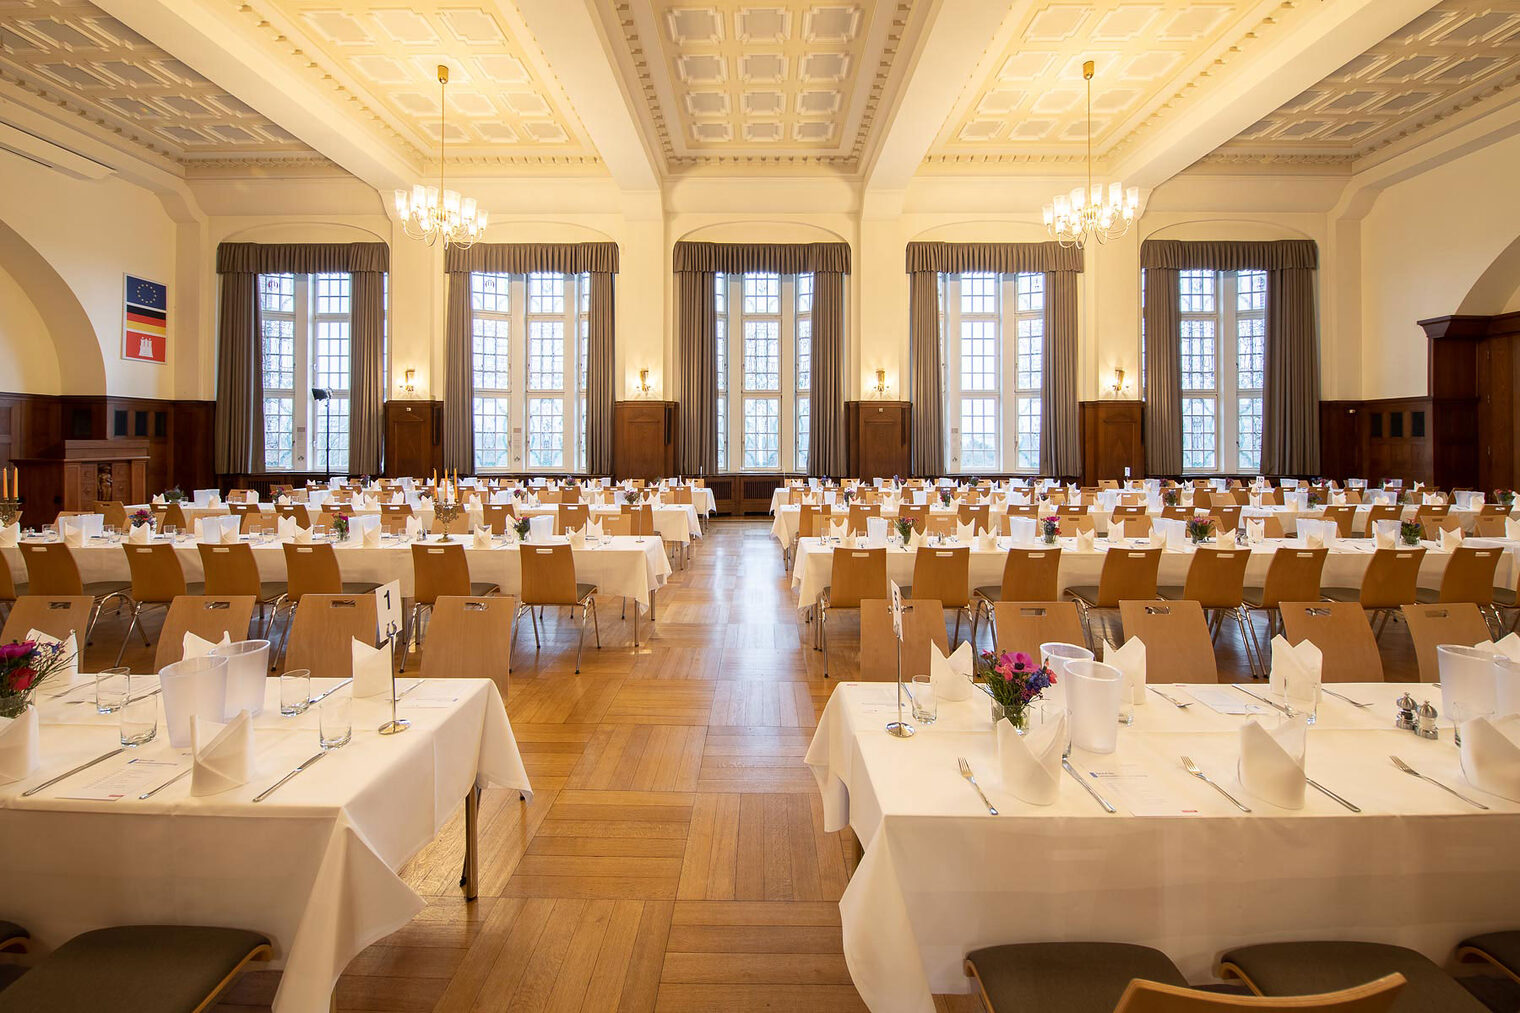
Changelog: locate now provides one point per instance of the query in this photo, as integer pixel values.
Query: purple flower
(14, 651)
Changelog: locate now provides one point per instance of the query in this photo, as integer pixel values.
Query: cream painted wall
(28, 360)
(92, 233)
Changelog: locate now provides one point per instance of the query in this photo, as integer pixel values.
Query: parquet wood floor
(673, 856)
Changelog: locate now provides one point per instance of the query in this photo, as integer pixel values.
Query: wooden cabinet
(646, 441)
(878, 437)
(1113, 438)
(83, 472)
(413, 438)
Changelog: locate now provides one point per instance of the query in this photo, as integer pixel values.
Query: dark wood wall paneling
(1113, 438)
(877, 438)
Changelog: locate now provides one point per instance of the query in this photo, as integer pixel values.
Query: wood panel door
(410, 438)
(879, 438)
(1112, 440)
(645, 442)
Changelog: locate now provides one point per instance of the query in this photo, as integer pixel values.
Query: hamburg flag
(145, 334)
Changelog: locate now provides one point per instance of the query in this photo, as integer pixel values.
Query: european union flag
(147, 294)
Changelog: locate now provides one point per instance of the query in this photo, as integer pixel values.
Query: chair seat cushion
(1503, 948)
(1341, 593)
(1087, 593)
(1252, 596)
(1502, 596)
(481, 588)
(1304, 968)
(102, 588)
(1171, 592)
(1069, 977)
(269, 591)
(583, 591)
(358, 587)
(133, 969)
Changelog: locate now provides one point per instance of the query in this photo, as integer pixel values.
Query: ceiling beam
(205, 35)
(1327, 38)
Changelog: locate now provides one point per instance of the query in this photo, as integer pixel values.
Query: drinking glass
(925, 706)
(295, 692)
(1301, 696)
(139, 713)
(1464, 711)
(111, 690)
(172, 531)
(335, 722)
(319, 533)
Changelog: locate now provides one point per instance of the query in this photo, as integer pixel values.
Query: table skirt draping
(939, 877)
(314, 867)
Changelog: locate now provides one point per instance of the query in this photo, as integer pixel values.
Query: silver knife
(261, 796)
(1326, 791)
(176, 777)
(70, 773)
(1269, 702)
(1090, 789)
(323, 696)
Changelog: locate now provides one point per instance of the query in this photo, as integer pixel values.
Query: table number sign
(388, 610)
(145, 320)
(900, 727)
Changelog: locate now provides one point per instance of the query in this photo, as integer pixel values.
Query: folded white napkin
(1338, 499)
(413, 528)
(1450, 539)
(282, 500)
(838, 529)
(964, 532)
(986, 542)
(199, 647)
(1087, 540)
(285, 528)
(1256, 529)
(540, 528)
(372, 669)
(1511, 529)
(915, 540)
(74, 536)
(1296, 670)
(70, 652)
(1130, 661)
(481, 539)
(20, 746)
(577, 538)
(303, 536)
(594, 529)
(1430, 499)
(371, 536)
(1490, 755)
(1509, 646)
(138, 534)
(1318, 534)
(951, 677)
(1383, 538)
(1030, 764)
(232, 530)
(158, 500)
(224, 755)
(1271, 765)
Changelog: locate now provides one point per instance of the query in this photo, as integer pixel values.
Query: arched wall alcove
(65, 325)
(1497, 288)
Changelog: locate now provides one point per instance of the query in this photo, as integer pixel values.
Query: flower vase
(15, 705)
(1019, 720)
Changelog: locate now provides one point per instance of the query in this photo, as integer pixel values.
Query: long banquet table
(1177, 868)
(314, 867)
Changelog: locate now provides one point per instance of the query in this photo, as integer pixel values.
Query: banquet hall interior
(684, 505)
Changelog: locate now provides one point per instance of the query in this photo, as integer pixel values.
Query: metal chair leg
(580, 641)
(596, 625)
(136, 611)
(512, 641)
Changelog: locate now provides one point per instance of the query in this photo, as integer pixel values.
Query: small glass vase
(14, 705)
(1050, 537)
(1018, 719)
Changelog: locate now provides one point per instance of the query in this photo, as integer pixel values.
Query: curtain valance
(1003, 258)
(301, 258)
(783, 258)
(526, 258)
(1211, 255)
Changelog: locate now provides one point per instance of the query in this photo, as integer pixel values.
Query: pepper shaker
(1407, 715)
(1427, 724)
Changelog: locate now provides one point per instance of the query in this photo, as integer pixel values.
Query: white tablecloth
(1344, 565)
(625, 566)
(940, 877)
(313, 866)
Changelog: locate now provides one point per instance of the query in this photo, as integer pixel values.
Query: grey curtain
(1290, 399)
(601, 357)
(239, 422)
(826, 448)
(696, 344)
(782, 258)
(366, 384)
(1210, 255)
(1060, 441)
(301, 258)
(525, 258)
(926, 386)
(1002, 258)
(1163, 372)
(459, 377)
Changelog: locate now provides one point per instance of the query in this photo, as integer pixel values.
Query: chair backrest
(1342, 633)
(944, 574)
(1021, 510)
(976, 516)
(548, 574)
(468, 638)
(1226, 517)
(1429, 625)
(7, 581)
(55, 615)
(1469, 575)
(439, 568)
(923, 625)
(1216, 577)
(1490, 525)
(1141, 996)
(617, 524)
(1130, 510)
(296, 510)
(859, 513)
(496, 517)
(810, 522)
(1493, 510)
(1383, 512)
(113, 513)
(1178, 633)
(1391, 577)
(208, 617)
(50, 569)
(1073, 524)
(1177, 513)
(175, 514)
(1128, 574)
(570, 494)
(641, 518)
(311, 569)
(1031, 575)
(1431, 527)
(1429, 510)
(857, 574)
(1293, 575)
(571, 517)
(1025, 625)
(1344, 517)
(156, 573)
(323, 629)
(230, 569)
(1134, 527)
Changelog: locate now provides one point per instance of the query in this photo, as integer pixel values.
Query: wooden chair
(1177, 633)
(943, 574)
(1176, 513)
(569, 495)
(1028, 575)
(1127, 575)
(208, 617)
(469, 638)
(157, 579)
(313, 569)
(1226, 518)
(919, 515)
(1377, 996)
(1382, 512)
(1134, 527)
(976, 516)
(439, 569)
(174, 516)
(641, 519)
(1469, 577)
(571, 517)
(9, 589)
(1344, 518)
(296, 510)
(1389, 583)
(393, 517)
(1342, 633)
(860, 513)
(1025, 625)
(1072, 525)
(923, 625)
(232, 570)
(113, 513)
(322, 631)
(460, 525)
(1294, 968)
(810, 521)
(1293, 575)
(548, 578)
(51, 570)
(497, 516)
(1431, 527)
(1429, 625)
(53, 614)
(1490, 526)
(617, 524)
(855, 575)
(1216, 581)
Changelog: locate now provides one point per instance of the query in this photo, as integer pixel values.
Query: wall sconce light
(409, 382)
(881, 383)
(1117, 390)
(643, 388)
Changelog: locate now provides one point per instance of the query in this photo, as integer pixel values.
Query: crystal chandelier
(457, 221)
(1087, 213)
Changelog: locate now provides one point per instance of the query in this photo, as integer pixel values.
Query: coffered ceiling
(71, 55)
(1456, 56)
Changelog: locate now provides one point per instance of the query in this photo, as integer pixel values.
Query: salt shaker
(1427, 724)
(1407, 712)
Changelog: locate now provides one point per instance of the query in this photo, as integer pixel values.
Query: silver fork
(1406, 768)
(1192, 768)
(966, 773)
(1342, 696)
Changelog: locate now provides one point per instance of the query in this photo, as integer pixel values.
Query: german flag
(146, 334)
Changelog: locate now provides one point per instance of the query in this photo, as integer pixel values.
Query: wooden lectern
(85, 471)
